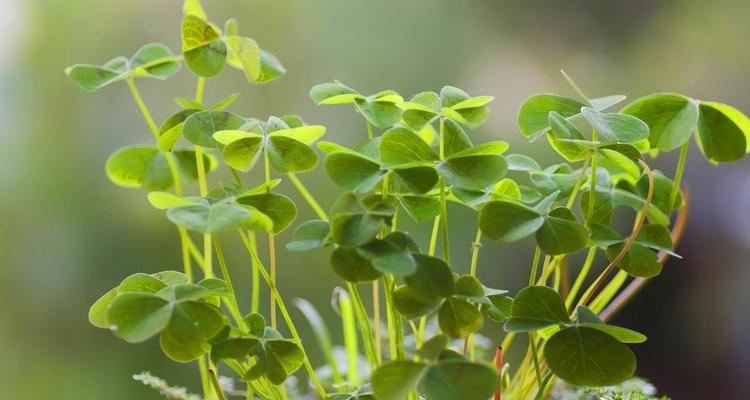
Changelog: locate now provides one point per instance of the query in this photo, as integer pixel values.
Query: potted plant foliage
(418, 338)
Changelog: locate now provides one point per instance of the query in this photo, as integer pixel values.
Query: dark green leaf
(200, 127)
(352, 171)
(616, 127)
(561, 233)
(352, 230)
(536, 307)
(507, 221)
(350, 266)
(136, 316)
(394, 380)
(459, 318)
(533, 119)
(670, 117)
(637, 261)
(432, 280)
(584, 356)
(310, 235)
(408, 305)
(459, 379)
(279, 208)
(722, 132)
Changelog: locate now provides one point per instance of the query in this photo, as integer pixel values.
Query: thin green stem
(199, 90)
(369, 130)
(434, 236)
(535, 265)
(475, 252)
(364, 325)
(592, 185)
(575, 86)
(234, 307)
(535, 358)
(580, 278)
(398, 328)
(579, 182)
(678, 176)
(255, 301)
(308, 197)
(205, 380)
(443, 200)
(285, 314)
(347, 311)
(215, 383)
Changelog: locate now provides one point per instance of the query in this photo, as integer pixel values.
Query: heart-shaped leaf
(670, 117)
(535, 308)
(459, 318)
(723, 132)
(279, 208)
(561, 233)
(352, 171)
(474, 172)
(290, 155)
(432, 279)
(637, 261)
(244, 54)
(192, 324)
(533, 119)
(210, 218)
(350, 266)
(459, 379)
(585, 356)
(333, 93)
(420, 208)
(396, 379)
(616, 127)
(310, 235)
(200, 127)
(400, 145)
(507, 221)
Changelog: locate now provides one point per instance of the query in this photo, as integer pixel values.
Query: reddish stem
(499, 366)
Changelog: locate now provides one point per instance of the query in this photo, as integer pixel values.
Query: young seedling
(416, 159)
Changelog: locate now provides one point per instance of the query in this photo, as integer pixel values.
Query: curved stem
(364, 324)
(535, 358)
(205, 380)
(579, 182)
(285, 314)
(639, 283)
(216, 385)
(641, 218)
(255, 300)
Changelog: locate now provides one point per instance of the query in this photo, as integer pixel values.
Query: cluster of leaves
(419, 160)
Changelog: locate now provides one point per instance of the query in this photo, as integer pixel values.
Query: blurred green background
(68, 235)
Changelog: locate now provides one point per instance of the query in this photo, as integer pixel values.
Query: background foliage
(68, 233)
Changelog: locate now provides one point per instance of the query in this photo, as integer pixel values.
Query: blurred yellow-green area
(68, 234)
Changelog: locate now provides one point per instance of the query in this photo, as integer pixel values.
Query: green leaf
(241, 154)
(279, 208)
(154, 60)
(561, 128)
(508, 221)
(471, 117)
(473, 172)
(210, 218)
(432, 279)
(584, 356)
(352, 230)
(638, 260)
(506, 189)
(459, 318)
(93, 77)
(432, 348)
(400, 145)
(657, 237)
(459, 379)
(533, 119)
(207, 61)
(603, 103)
(381, 114)
(270, 67)
(200, 127)
(352, 171)
(333, 93)
(388, 257)
(420, 208)
(139, 167)
(244, 54)
(193, 7)
(197, 32)
(142, 283)
(310, 235)
(521, 162)
(98, 311)
(171, 131)
(561, 233)
(670, 117)
(350, 266)
(501, 307)
(616, 127)
(455, 139)
(417, 178)
(536, 307)
(191, 326)
(235, 348)
(307, 134)
(722, 132)
(396, 379)
(136, 316)
(290, 155)
(409, 306)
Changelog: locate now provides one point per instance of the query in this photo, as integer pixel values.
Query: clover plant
(417, 159)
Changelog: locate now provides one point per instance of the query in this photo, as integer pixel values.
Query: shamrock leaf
(379, 109)
(142, 166)
(535, 308)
